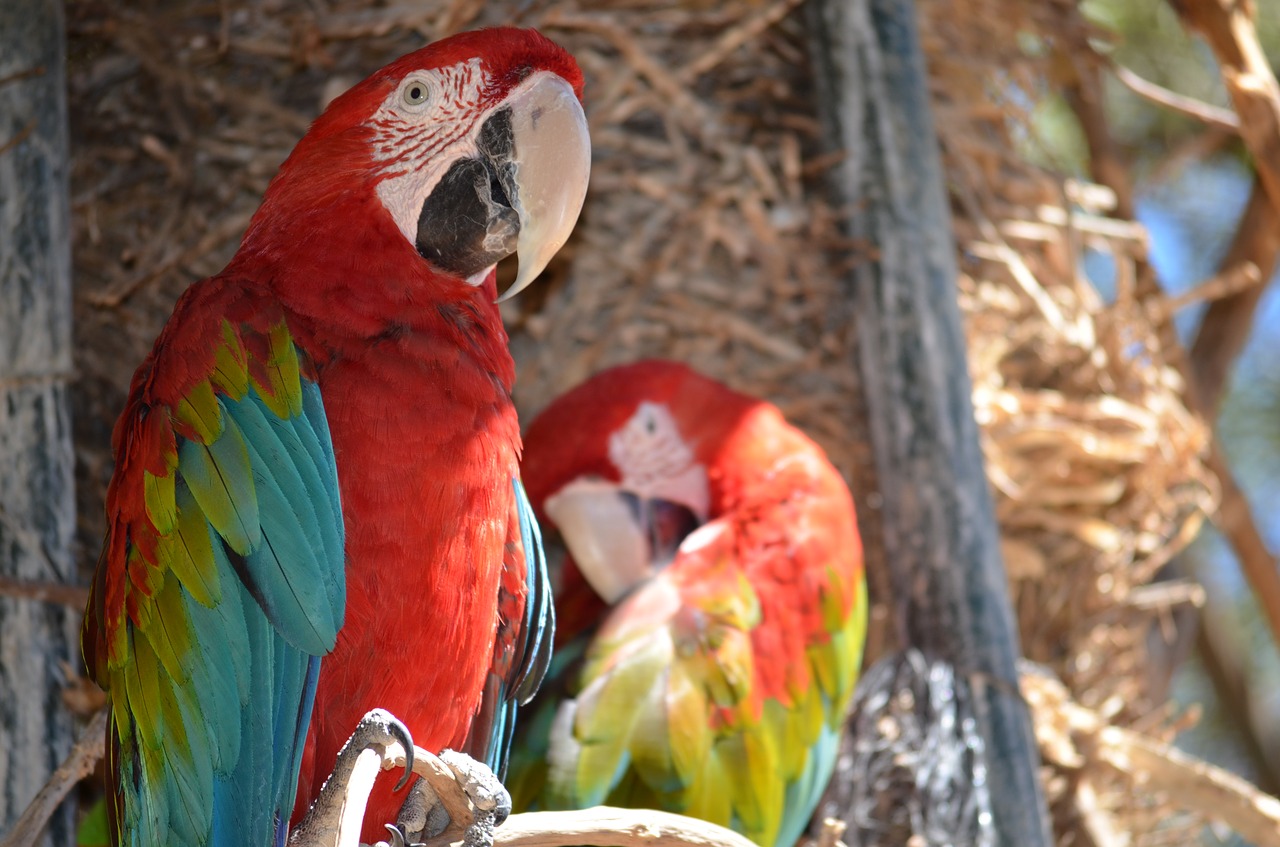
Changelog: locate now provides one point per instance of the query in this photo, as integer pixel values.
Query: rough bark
(950, 593)
(37, 510)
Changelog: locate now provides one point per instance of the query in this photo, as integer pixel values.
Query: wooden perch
(605, 826)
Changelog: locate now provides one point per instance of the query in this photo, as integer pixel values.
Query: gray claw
(402, 734)
(379, 726)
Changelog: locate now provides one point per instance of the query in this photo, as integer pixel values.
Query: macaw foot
(336, 816)
(423, 816)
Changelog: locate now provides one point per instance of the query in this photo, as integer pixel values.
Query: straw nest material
(704, 239)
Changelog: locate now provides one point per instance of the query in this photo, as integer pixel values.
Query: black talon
(503, 811)
(401, 733)
(397, 837)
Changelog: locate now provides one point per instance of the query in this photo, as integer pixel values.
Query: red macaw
(316, 507)
(711, 605)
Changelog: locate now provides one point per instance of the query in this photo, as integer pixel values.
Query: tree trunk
(37, 509)
(951, 599)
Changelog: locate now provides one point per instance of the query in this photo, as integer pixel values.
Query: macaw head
(465, 151)
(628, 465)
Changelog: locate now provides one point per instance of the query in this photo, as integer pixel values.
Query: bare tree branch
(1222, 662)
(1227, 322)
(1227, 25)
(1236, 521)
(1204, 112)
(1228, 28)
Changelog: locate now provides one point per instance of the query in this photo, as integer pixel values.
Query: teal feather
(286, 569)
(302, 443)
(313, 433)
(217, 687)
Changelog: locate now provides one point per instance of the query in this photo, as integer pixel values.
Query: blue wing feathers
(287, 567)
(534, 650)
(539, 612)
(312, 429)
(231, 677)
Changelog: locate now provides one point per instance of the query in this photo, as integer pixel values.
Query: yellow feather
(200, 411)
(189, 552)
(157, 493)
(283, 393)
(229, 370)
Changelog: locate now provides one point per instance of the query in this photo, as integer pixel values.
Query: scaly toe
(486, 792)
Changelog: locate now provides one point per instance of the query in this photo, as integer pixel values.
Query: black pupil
(415, 94)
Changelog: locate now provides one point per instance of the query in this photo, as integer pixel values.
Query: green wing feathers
(706, 694)
(220, 585)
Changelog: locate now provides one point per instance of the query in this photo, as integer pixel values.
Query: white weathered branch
(605, 826)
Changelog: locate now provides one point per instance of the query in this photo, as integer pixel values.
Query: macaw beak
(552, 164)
(619, 539)
(602, 535)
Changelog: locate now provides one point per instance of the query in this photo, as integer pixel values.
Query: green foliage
(93, 827)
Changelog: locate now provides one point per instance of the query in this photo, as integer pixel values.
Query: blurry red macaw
(711, 605)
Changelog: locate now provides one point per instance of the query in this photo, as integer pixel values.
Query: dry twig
(1206, 113)
(78, 764)
(1230, 282)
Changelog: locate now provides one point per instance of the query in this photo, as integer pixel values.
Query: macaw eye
(415, 93)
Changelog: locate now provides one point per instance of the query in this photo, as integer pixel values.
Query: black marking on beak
(470, 222)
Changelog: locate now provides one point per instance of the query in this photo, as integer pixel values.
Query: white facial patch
(656, 463)
(418, 142)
